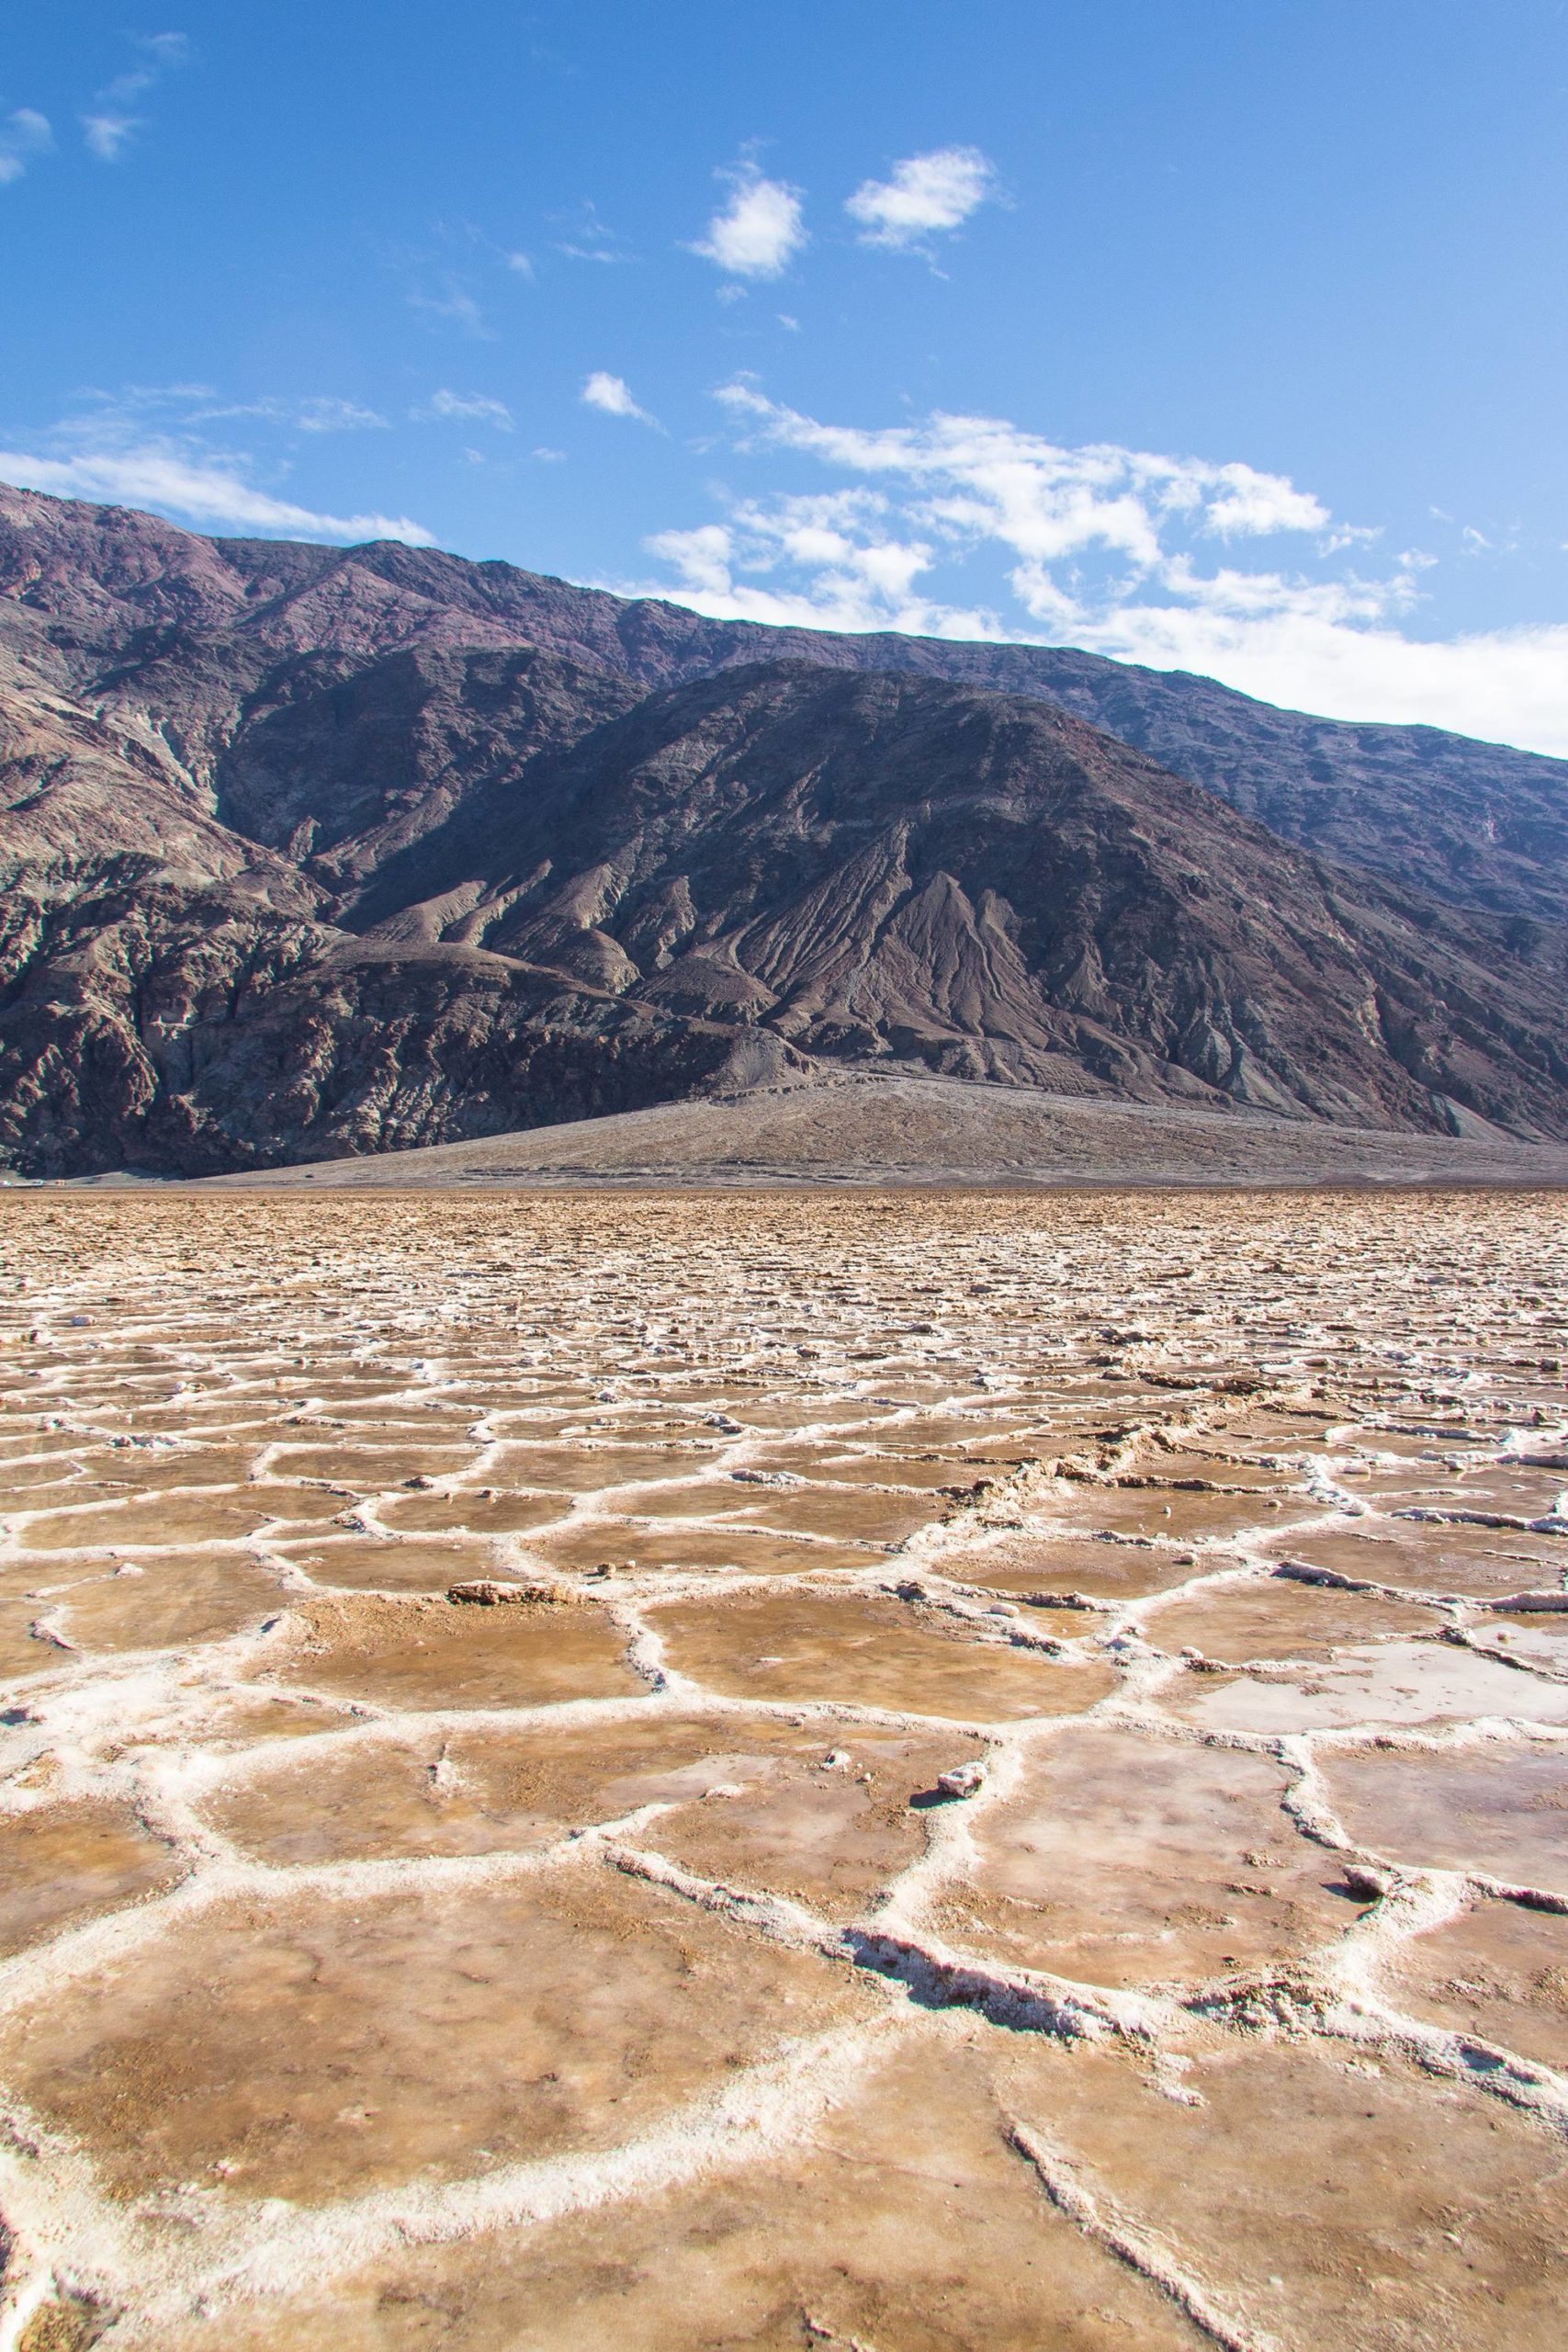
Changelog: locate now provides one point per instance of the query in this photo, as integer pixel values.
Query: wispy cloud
(146, 445)
(326, 414)
(758, 232)
(109, 122)
(135, 408)
(24, 134)
(586, 237)
(926, 195)
(207, 490)
(449, 300)
(453, 271)
(471, 408)
(611, 395)
(319, 412)
(1122, 551)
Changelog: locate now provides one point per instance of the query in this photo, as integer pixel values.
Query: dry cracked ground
(914, 1772)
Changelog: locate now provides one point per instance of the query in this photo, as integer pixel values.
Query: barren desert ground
(729, 1772)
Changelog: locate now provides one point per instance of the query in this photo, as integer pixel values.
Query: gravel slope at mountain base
(882, 1130)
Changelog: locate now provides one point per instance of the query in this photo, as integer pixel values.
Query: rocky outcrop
(189, 1030)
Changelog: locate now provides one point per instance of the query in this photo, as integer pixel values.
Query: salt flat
(717, 1770)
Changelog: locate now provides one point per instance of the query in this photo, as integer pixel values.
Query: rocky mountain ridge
(139, 613)
(312, 851)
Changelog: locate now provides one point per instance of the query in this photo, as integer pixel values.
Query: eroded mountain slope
(889, 865)
(781, 861)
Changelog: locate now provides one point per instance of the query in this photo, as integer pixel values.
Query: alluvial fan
(910, 1771)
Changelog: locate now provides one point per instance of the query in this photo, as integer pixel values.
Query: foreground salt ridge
(1326, 1376)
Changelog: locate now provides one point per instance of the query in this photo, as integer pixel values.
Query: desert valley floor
(916, 1771)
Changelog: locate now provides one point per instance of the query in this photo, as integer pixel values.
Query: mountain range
(309, 851)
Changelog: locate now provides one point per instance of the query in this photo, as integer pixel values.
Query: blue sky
(1225, 335)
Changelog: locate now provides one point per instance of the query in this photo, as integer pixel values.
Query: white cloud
(926, 194)
(703, 557)
(23, 135)
(1112, 549)
(197, 490)
(611, 395)
(476, 408)
(108, 123)
(1252, 504)
(1505, 686)
(983, 477)
(826, 562)
(758, 232)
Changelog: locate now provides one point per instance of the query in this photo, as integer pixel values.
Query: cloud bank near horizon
(1126, 553)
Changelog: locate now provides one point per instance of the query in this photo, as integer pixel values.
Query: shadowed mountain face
(313, 853)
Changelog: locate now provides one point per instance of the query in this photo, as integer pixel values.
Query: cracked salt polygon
(140, 1724)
